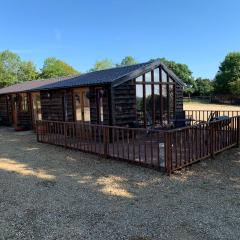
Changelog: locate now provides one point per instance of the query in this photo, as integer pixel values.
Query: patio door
(82, 105)
(36, 107)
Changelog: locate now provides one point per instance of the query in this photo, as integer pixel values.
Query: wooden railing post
(65, 134)
(105, 140)
(37, 130)
(238, 131)
(212, 138)
(167, 152)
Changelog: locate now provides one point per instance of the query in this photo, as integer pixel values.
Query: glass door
(82, 105)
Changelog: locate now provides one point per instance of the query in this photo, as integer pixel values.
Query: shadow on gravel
(49, 192)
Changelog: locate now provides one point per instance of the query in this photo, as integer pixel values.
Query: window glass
(149, 105)
(148, 77)
(165, 102)
(139, 103)
(170, 79)
(24, 102)
(164, 76)
(157, 100)
(86, 107)
(156, 75)
(139, 79)
(171, 98)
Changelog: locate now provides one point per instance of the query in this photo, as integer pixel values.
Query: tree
(102, 64)
(27, 71)
(183, 72)
(235, 87)
(229, 72)
(14, 70)
(53, 67)
(128, 60)
(203, 87)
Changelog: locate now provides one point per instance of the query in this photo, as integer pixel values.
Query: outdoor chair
(180, 120)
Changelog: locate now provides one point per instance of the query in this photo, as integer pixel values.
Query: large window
(155, 98)
(24, 102)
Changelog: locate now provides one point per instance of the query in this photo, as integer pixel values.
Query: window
(155, 101)
(24, 102)
(156, 75)
(99, 99)
(164, 76)
(148, 77)
(139, 103)
(139, 79)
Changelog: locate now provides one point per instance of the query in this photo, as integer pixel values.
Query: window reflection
(156, 75)
(164, 76)
(148, 77)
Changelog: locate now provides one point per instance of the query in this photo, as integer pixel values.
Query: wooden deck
(164, 150)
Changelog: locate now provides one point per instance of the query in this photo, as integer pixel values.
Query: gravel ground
(48, 192)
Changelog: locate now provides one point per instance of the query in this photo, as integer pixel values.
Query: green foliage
(102, 64)
(203, 87)
(128, 60)
(183, 72)
(229, 72)
(14, 70)
(53, 67)
(235, 87)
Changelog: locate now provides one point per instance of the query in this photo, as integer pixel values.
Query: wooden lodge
(133, 113)
(20, 104)
(141, 95)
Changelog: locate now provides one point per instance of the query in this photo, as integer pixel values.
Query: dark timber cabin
(141, 95)
(20, 105)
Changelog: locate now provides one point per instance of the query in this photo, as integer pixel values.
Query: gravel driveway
(48, 192)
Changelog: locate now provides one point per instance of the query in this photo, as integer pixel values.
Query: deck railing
(164, 150)
(184, 146)
(141, 146)
(198, 116)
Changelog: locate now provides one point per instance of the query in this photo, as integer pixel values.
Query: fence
(199, 116)
(140, 146)
(185, 146)
(164, 150)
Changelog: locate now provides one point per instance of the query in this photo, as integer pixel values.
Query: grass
(203, 105)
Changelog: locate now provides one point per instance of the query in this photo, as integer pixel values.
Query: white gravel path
(48, 192)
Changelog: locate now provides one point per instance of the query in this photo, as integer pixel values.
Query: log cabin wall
(57, 105)
(124, 103)
(179, 98)
(4, 112)
(24, 115)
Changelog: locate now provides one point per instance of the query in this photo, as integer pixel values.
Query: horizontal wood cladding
(52, 105)
(4, 114)
(179, 98)
(57, 105)
(24, 118)
(124, 99)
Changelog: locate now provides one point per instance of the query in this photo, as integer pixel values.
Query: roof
(30, 85)
(113, 76)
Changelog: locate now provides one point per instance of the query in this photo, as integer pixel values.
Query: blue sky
(198, 33)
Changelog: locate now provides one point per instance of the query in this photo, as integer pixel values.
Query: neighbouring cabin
(140, 95)
(20, 110)
(20, 104)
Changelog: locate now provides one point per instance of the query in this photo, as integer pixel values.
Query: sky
(197, 33)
